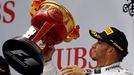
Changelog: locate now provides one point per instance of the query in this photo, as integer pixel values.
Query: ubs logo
(129, 8)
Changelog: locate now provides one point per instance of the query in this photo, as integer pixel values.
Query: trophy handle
(44, 29)
(73, 35)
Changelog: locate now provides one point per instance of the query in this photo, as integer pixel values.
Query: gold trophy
(52, 24)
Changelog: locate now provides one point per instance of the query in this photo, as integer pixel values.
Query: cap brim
(95, 35)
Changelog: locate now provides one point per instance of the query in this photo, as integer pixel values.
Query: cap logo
(116, 45)
(108, 31)
(95, 34)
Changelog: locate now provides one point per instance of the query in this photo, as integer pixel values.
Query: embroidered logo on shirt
(97, 70)
(112, 67)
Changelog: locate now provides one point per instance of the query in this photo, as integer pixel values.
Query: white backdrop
(89, 14)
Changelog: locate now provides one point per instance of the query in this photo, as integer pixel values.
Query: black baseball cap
(113, 37)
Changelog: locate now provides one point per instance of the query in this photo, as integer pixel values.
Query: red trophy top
(55, 21)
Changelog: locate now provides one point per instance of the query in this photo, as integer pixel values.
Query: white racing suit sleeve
(50, 69)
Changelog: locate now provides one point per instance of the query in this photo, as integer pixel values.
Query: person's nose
(94, 45)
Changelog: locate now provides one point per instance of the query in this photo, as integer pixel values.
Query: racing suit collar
(111, 68)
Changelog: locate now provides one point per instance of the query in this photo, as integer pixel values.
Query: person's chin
(93, 58)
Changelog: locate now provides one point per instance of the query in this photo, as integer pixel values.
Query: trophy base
(24, 56)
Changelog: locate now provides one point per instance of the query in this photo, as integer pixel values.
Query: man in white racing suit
(108, 52)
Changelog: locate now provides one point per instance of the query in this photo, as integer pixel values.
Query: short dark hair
(120, 56)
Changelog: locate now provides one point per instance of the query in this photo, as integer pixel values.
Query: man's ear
(111, 50)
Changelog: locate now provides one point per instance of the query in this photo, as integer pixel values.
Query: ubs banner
(88, 14)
